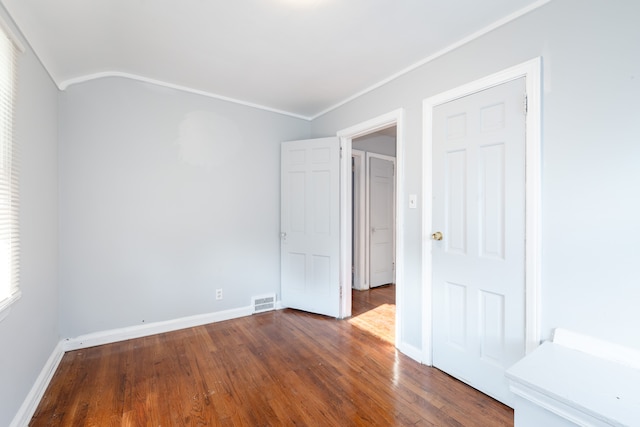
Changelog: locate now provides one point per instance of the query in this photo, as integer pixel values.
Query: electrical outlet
(218, 294)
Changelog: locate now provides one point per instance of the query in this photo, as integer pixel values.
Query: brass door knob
(436, 236)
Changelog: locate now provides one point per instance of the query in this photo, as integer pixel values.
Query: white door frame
(531, 70)
(368, 214)
(395, 117)
(359, 235)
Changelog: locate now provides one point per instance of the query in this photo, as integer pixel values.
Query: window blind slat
(9, 177)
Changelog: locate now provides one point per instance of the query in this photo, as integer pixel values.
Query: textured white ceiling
(296, 56)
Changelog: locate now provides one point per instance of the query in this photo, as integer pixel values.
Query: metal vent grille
(263, 303)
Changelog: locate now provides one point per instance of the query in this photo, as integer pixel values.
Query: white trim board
(392, 118)
(531, 71)
(105, 74)
(5, 304)
(411, 351)
(139, 331)
(359, 241)
(30, 403)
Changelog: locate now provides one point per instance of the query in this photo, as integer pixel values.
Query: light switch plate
(413, 201)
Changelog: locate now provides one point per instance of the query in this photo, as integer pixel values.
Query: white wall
(591, 177)
(29, 333)
(376, 143)
(165, 197)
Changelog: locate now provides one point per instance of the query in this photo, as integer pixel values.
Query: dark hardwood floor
(281, 368)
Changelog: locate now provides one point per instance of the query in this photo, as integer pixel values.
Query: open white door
(381, 219)
(478, 255)
(310, 225)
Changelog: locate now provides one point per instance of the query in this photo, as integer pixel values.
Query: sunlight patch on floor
(378, 321)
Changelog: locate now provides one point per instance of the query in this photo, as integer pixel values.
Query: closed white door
(381, 219)
(479, 263)
(310, 227)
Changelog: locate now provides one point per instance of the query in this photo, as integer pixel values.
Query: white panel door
(310, 225)
(479, 265)
(381, 220)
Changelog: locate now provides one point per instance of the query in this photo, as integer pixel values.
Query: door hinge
(525, 104)
(341, 151)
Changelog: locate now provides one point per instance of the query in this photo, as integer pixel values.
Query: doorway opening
(373, 209)
(373, 180)
(372, 152)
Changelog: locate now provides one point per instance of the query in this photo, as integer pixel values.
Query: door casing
(531, 70)
(359, 223)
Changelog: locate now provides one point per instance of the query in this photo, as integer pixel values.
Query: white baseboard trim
(411, 351)
(138, 331)
(30, 404)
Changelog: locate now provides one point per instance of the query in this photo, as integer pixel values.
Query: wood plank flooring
(282, 368)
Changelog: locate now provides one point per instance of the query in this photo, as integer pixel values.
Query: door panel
(381, 221)
(456, 202)
(310, 225)
(492, 208)
(479, 266)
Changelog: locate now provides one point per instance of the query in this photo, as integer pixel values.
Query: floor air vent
(263, 303)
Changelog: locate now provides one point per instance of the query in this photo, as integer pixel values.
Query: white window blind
(9, 200)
